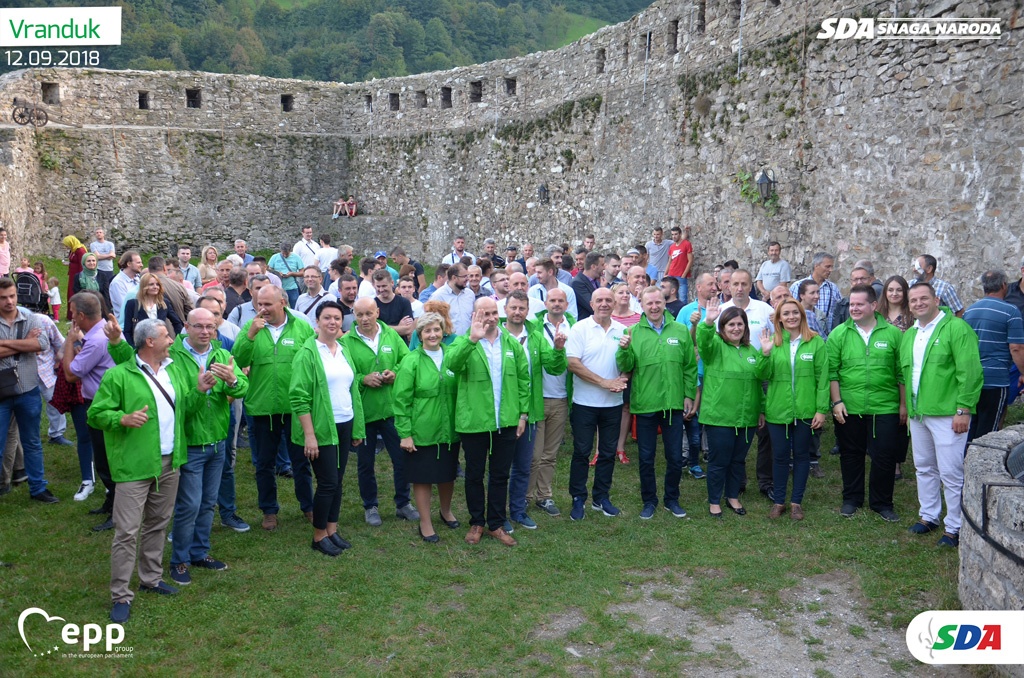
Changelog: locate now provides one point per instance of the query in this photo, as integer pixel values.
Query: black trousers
(99, 459)
(876, 436)
(587, 420)
(488, 453)
(990, 409)
(329, 470)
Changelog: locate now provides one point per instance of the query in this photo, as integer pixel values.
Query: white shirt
(121, 288)
(524, 341)
(306, 300)
(437, 356)
(275, 332)
(634, 305)
(460, 306)
(921, 341)
(366, 289)
(595, 347)
(452, 258)
(759, 316)
(538, 291)
(164, 410)
(494, 352)
(307, 251)
(374, 343)
(229, 330)
(325, 256)
(417, 308)
(554, 386)
(864, 334)
(339, 381)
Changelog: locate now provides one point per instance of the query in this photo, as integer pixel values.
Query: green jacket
(270, 364)
(664, 366)
(134, 453)
(796, 390)
(951, 374)
(474, 411)
(868, 375)
(210, 425)
(425, 399)
(391, 349)
(543, 358)
(308, 394)
(732, 388)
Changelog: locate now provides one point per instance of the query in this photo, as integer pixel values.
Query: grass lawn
(396, 604)
(578, 27)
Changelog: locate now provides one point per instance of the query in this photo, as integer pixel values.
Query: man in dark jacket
(586, 281)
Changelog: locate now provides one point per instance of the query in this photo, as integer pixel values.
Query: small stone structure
(992, 534)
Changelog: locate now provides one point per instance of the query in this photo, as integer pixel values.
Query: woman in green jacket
(796, 370)
(424, 398)
(328, 420)
(731, 408)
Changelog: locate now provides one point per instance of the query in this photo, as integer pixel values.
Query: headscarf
(73, 243)
(88, 279)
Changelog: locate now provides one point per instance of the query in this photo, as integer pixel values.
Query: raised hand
(112, 329)
(766, 342)
(255, 326)
(560, 340)
(224, 372)
(75, 333)
(136, 419)
(625, 340)
(206, 381)
(478, 329)
(713, 311)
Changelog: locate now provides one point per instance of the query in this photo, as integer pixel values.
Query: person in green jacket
(492, 409)
(796, 370)
(142, 406)
(377, 350)
(659, 352)
(268, 345)
(942, 364)
(542, 358)
(424, 396)
(328, 419)
(731, 407)
(866, 390)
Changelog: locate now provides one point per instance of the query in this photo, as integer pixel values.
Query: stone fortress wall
(882, 149)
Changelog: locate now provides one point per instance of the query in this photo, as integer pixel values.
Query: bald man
(519, 281)
(778, 294)
(636, 281)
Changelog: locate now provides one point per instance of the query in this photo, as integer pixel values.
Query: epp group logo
(967, 637)
(88, 635)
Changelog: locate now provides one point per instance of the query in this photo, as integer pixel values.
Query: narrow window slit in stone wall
(421, 99)
(735, 11)
(368, 103)
(143, 101)
(510, 86)
(673, 37)
(648, 45)
(625, 53)
(194, 98)
(774, 3)
(702, 7)
(446, 97)
(287, 103)
(476, 91)
(393, 102)
(51, 93)
(601, 56)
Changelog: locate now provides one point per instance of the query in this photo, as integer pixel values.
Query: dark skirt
(432, 464)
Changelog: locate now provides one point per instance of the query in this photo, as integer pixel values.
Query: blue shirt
(427, 293)
(997, 324)
(684, 317)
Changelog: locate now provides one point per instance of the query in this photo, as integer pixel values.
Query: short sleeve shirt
(105, 247)
(595, 347)
(997, 324)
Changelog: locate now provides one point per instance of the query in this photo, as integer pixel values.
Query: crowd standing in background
(318, 355)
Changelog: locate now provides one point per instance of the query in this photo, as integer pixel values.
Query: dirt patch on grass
(821, 629)
(560, 625)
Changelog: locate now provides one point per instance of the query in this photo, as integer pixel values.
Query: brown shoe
(270, 521)
(474, 534)
(504, 537)
(796, 512)
(309, 516)
(777, 511)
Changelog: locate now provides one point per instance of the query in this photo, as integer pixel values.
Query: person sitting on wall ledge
(346, 207)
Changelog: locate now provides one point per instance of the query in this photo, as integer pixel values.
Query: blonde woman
(149, 304)
(208, 264)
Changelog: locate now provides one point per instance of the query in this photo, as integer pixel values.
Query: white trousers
(939, 461)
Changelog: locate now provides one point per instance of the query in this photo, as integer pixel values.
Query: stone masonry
(882, 149)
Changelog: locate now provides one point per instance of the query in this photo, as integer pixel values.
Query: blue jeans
(684, 289)
(519, 476)
(272, 427)
(671, 423)
(366, 455)
(198, 483)
(27, 410)
(78, 418)
(293, 296)
(693, 435)
(790, 443)
(727, 456)
(284, 461)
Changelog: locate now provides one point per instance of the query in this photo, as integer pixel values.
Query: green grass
(578, 27)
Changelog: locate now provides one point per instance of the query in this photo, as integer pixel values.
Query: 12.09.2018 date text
(49, 57)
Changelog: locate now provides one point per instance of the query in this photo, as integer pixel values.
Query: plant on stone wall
(749, 193)
(50, 161)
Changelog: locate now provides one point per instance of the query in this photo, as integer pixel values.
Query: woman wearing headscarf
(89, 278)
(76, 250)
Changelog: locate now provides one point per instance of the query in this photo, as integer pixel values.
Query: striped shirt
(944, 291)
(828, 296)
(997, 324)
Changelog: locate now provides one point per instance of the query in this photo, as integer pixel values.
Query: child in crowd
(40, 270)
(25, 266)
(54, 294)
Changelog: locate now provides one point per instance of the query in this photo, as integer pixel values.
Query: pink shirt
(5, 258)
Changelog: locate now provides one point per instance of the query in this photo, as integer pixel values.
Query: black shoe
(326, 547)
(105, 508)
(286, 473)
(715, 515)
(834, 451)
(162, 588)
(768, 491)
(453, 524)
(740, 511)
(848, 510)
(107, 525)
(339, 541)
(432, 539)
(46, 497)
(120, 612)
(18, 476)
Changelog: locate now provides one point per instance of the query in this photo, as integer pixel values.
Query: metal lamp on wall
(765, 184)
(542, 194)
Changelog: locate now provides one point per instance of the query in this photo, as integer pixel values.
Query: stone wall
(991, 570)
(882, 149)
(21, 211)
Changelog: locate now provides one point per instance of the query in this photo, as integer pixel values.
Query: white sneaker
(84, 490)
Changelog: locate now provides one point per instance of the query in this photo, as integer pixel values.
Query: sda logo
(881, 345)
(967, 637)
(807, 356)
(752, 360)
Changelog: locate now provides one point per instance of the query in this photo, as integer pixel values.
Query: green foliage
(749, 193)
(50, 161)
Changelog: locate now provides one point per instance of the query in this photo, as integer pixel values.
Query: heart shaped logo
(28, 613)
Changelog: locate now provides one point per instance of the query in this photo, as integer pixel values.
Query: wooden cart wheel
(40, 118)
(21, 115)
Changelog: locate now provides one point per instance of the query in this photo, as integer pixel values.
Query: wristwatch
(837, 402)
(960, 412)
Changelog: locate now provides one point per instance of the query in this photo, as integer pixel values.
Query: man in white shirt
(636, 281)
(406, 288)
(458, 297)
(315, 294)
(555, 254)
(547, 281)
(773, 272)
(367, 265)
(125, 284)
(307, 248)
(325, 256)
(596, 403)
(458, 251)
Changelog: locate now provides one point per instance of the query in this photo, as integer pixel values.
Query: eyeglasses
(204, 328)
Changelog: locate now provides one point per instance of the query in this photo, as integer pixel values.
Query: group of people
(488, 364)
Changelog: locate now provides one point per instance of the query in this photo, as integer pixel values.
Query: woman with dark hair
(796, 370)
(895, 303)
(149, 304)
(730, 407)
(324, 395)
(424, 396)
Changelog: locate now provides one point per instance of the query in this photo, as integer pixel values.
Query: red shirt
(678, 256)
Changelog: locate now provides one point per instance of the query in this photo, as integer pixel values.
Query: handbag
(65, 394)
(10, 383)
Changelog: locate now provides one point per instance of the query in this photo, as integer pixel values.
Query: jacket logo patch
(672, 341)
(287, 342)
(450, 373)
(509, 354)
(385, 349)
(807, 356)
(752, 360)
(881, 344)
